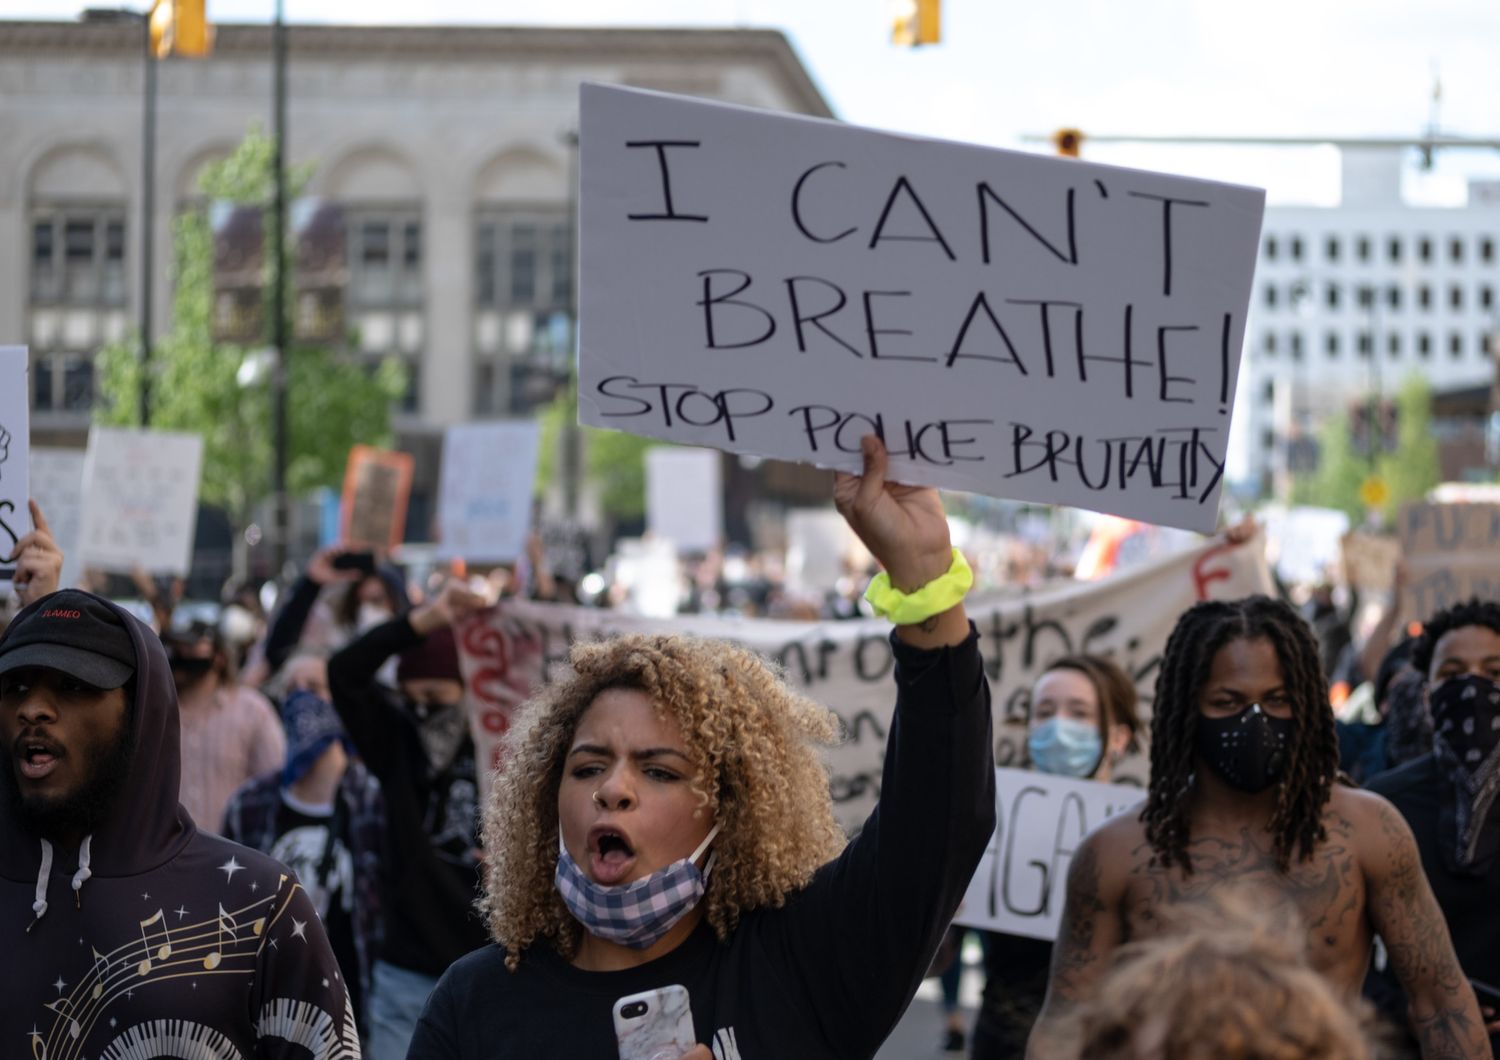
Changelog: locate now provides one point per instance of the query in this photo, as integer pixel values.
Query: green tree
(1341, 471)
(333, 402)
(612, 460)
(1413, 468)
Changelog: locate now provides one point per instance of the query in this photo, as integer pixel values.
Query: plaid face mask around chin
(634, 914)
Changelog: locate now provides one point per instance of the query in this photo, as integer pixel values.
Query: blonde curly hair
(1228, 981)
(754, 745)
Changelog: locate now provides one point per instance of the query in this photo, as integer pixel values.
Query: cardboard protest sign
(1370, 561)
(846, 666)
(1452, 552)
(685, 497)
(57, 486)
(140, 500)
(1021, 883)
(377, 488)
(484, 508)
(1013, 324)
(15, 437)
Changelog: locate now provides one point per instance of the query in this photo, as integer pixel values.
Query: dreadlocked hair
(1313, 755)
(1471, 612)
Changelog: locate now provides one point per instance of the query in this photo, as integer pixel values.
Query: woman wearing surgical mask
(1083, 721)
(663, 821)
(343, 594)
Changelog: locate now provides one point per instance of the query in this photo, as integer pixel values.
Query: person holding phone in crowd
(1083, 721)
(663, 826)
(343, 593)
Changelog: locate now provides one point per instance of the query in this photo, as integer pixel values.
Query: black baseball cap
(73, 632)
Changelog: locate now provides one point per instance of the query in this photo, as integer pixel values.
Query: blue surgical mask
(1065, 747)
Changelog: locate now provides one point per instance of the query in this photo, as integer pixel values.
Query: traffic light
(1390, 426)
(180, 27)
(1360, 428)
(916, 22)
(1068, 142)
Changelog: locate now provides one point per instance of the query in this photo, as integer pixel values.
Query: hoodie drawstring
(43, 877)
(82, 875)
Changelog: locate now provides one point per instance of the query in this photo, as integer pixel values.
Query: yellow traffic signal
(1068, 142)
(180, 27)
(916, 22)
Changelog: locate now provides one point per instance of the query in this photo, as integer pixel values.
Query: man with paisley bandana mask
(1449, 797)
(416, 742)
(1244, 798)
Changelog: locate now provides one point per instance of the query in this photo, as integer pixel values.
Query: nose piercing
(599, 802)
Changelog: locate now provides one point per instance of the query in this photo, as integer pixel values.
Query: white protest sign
(484, 511)
(1021, 882)
(15, 437)
(685, 497)
(140, 500)
(1012, 324)
(818, 544)
(57, 486)
(847, 666)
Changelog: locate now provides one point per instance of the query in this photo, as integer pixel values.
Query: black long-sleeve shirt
(432, 816)
(828, 974)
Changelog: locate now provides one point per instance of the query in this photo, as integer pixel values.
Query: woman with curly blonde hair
(663, 820)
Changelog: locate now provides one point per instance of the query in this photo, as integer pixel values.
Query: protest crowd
(323, 748)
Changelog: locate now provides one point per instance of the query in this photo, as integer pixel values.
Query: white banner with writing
(1020, 885)
(15, 438)
(489, 469)
(140, 500)
(516, 647)
(1010, 323)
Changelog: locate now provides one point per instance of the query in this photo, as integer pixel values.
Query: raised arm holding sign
(1009, 324)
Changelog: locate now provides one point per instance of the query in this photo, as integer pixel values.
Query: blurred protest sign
(1013, 324)
(140, 500)
(1370, 561)
(846, 666)
(15, 438)
(1305, 541)
(685, 497)
(377, 488)
(1452, 552)
(1021, 882)
(819, 546)
(484, 510)
(57, 485)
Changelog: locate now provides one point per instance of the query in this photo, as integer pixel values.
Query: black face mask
(1466, 740)
(192, 666)
(1247, 750)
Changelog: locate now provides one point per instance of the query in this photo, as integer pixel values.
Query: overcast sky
(1159, 67)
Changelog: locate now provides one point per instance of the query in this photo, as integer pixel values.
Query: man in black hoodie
(126, 931)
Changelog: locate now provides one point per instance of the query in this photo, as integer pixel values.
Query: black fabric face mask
(1466, 740)
(1247, 750)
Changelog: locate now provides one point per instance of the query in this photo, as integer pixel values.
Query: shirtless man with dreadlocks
(1243, 760)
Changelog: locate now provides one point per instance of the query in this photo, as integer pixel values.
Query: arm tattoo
(1443, 1011)
(1073, 957)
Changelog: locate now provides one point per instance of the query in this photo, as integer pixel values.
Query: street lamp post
(148, 214)
(278, 295)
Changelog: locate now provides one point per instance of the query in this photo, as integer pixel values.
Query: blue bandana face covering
(1064, 747)
(634, 914)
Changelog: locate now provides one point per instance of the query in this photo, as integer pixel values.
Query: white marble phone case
(654, 1025)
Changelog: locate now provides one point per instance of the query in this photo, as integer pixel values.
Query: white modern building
(1349, 301)
(449, 152)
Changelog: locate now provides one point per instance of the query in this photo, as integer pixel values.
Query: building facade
(449, 154)
(1350, 301)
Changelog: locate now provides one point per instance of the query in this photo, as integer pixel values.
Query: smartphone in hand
(364, 562)
(655, 1024)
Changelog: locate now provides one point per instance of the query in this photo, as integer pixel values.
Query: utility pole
(278, 295)
(148, 214)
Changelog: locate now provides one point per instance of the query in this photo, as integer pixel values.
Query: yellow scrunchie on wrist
(914, 608)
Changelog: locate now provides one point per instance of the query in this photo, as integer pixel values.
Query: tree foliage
(333, 402)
